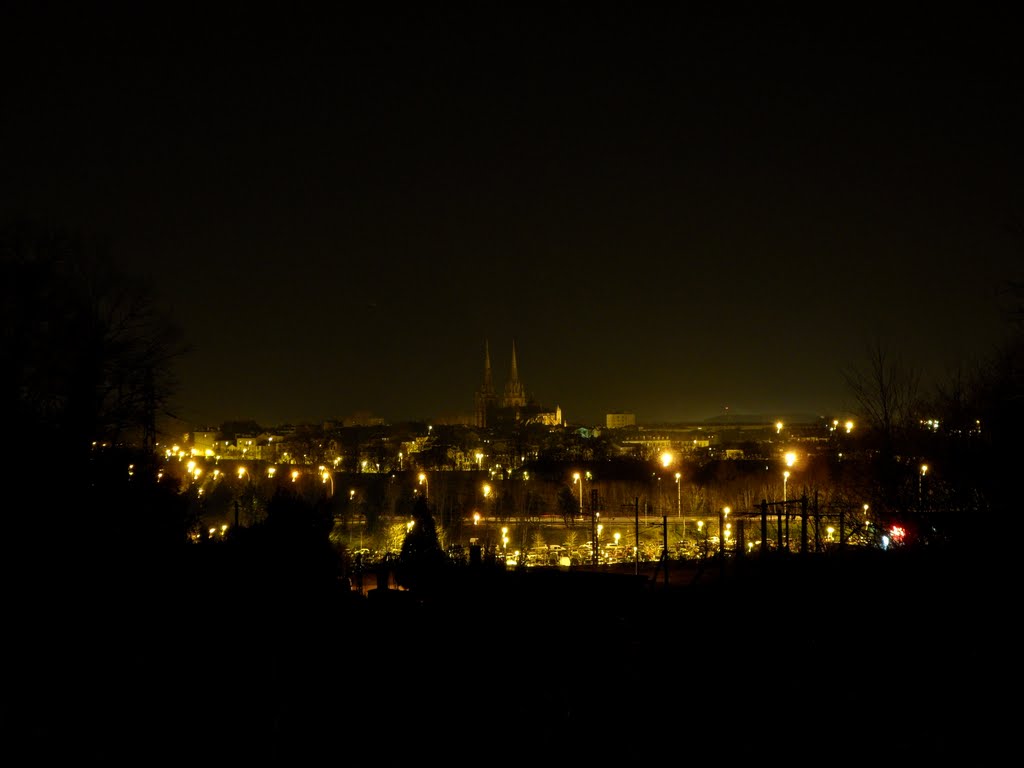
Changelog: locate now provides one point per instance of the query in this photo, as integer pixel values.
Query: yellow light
(778, 427)
(790, 459)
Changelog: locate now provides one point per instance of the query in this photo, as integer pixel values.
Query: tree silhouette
(88, 357)
(421, 558)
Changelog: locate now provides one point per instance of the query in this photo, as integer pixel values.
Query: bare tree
(886, 390)
(91, 353)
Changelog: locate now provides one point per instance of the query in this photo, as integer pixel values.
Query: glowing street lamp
(425, 483)
(723, 530)
(577, 478)
(325, 475)
(785, 506)
(790, 459)
(666, 459)
(679, 498)
(920, 484)
(479, 460)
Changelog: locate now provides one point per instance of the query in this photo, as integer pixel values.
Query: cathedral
(513, 405)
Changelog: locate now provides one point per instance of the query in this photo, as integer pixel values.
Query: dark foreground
(804, 661)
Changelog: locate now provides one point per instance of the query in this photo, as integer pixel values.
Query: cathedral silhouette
(514, 405)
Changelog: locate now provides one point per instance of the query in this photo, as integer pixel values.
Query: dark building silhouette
(486, 400)
(514, 405)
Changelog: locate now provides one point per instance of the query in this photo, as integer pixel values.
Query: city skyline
(672, 212)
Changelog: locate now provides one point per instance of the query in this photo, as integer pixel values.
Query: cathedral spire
(488, 382)
(515, 395)
(513, 373)
(485, 399)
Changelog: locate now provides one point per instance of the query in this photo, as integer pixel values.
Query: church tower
(515, 395)
(485, 397)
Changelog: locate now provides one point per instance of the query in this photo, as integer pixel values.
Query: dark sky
(669, 211)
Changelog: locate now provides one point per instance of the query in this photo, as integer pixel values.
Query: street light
(790, 459)
(785, 507)
(325, 475)
(577, 478)
(920, 484)
(426, 485)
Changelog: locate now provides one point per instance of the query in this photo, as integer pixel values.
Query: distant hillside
(760, 418)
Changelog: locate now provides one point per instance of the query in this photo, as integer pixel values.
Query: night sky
(670, 212)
